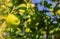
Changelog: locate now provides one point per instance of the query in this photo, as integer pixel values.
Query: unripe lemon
(12, 19)
(27, 30)
(58, 12)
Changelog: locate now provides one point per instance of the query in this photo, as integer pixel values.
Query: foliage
(30, 19)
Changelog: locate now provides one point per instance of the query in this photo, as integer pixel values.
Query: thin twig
(2, 28)
(12, 9)
(25, 1)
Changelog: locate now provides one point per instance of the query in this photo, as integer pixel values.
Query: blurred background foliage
(30, 19)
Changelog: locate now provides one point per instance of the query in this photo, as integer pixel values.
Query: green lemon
(12, 19)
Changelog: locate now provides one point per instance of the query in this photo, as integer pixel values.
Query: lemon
(21, 11)
(12, 19)
(27, 30)
(22, 5)
(58, 12)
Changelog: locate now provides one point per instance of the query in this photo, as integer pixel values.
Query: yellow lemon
(22, 5)
(58, 12)
(12, 19)
(21, 11)
(27, 30)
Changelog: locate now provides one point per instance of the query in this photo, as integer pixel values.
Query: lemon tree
(27, 19)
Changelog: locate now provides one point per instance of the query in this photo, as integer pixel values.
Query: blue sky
(42, 7)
